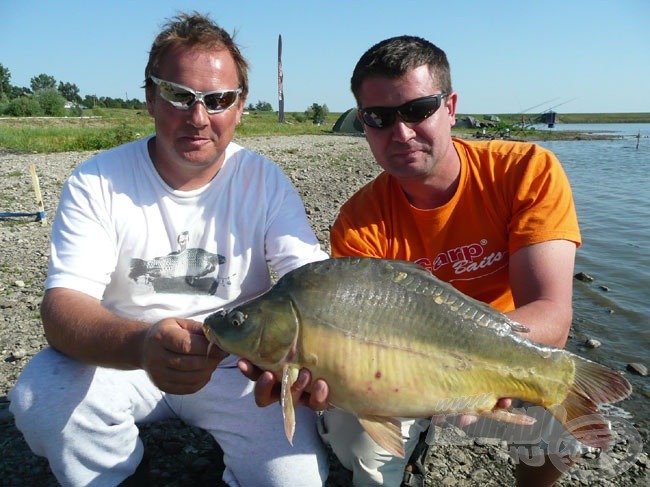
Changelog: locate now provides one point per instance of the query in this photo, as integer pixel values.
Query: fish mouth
(207, 331)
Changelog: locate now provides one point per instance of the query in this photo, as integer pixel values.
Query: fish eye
(237, 318)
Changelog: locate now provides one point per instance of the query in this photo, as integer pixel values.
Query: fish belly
(412, 354)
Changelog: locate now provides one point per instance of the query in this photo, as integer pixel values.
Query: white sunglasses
(184, 98)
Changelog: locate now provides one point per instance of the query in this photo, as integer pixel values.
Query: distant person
(494, 218)
(149, 238)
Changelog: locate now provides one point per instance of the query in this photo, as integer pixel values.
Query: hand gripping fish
(392, 340)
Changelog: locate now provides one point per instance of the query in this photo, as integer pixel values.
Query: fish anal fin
(386, 432)
(580, 416)
(289, 376)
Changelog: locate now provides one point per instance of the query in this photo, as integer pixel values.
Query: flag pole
(280, 80)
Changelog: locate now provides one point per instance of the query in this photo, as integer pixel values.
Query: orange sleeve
(357, 233)
(542, 203)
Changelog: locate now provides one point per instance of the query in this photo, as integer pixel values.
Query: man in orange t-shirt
(496, 219)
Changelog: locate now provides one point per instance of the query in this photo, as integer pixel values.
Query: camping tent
(348, 123)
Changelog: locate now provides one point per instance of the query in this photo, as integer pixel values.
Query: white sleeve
(83, 251)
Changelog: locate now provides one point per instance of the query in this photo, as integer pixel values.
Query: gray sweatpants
(370, 464)
(84, 419)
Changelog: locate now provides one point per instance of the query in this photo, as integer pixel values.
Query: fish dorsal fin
(386, 432)
(289, 376)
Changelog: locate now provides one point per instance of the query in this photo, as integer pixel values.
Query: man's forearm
(79, 326)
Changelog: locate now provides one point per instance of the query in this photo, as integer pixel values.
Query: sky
(571, 56)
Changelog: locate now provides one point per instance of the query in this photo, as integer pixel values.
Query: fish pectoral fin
(289, 376)
(507, 416)
(386, 432)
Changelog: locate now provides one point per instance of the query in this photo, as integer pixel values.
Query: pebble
(18, 354)
(593, 343)
(584, 277)
(638, 369)
(480, 475)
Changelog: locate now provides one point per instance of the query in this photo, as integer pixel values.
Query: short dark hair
(392, 58)
(194, 30)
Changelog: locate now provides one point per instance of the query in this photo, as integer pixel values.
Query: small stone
(584, 277)
(643, 461)
(19, 283)
(593, 343)
(604, 288)
(18, 354)
(479, 475)
(638, 369)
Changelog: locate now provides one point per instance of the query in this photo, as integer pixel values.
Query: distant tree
(51, 101)
(42, 82)
(24, 106)
(263, 106)
(89, 101)
(5, 80)
(18, 91)
(69, 91)
(317, 113)
(135, 104)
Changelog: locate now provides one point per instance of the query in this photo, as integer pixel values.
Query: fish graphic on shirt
(189, 264)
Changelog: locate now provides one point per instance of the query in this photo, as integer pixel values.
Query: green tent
(348, 123)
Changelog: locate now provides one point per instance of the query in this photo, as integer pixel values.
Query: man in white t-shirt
(149, 238)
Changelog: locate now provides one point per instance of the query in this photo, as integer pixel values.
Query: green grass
(266, 123)
(103, 129)
(100, 129)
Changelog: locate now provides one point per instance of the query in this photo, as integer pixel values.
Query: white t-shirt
(122, 235)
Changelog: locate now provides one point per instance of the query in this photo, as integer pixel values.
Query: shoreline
(180, 455)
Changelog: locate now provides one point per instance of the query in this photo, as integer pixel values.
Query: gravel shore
(326, 169)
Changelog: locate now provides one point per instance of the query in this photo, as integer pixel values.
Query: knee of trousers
(370, 463)
(47, 392)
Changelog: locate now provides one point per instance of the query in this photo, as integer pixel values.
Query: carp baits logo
(466, 259)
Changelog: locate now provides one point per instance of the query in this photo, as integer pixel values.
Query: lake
(611, 187)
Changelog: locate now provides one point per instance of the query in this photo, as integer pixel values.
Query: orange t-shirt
(510, 195)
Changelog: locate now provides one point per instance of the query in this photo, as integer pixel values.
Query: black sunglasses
(184, 98)
(413, 111)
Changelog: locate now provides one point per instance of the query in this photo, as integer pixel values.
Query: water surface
(611, 187)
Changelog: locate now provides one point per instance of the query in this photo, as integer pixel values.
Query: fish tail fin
(593, 384)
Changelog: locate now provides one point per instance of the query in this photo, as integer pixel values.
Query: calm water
(619, 129)
(611, 186)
